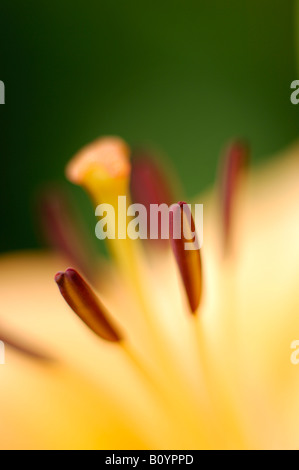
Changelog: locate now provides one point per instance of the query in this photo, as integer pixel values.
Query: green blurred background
(183, 76)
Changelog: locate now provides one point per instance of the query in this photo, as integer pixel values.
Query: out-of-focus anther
(232, 169)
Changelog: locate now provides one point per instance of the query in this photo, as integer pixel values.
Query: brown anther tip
(188, 261)
(85, 303)
(72, 273)
(179, 205)
(59, 277)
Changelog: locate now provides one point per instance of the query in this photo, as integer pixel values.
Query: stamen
(84, 302)
(64, 232)
(149, 186)
(235, 162)
(21, 347)
(189, 261)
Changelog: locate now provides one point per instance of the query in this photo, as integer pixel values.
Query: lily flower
(162, 348)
